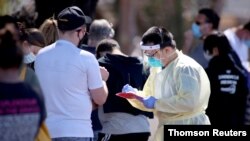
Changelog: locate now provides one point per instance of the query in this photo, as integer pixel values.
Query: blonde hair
(49, 30)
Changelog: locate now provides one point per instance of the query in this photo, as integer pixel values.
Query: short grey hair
(101, 29)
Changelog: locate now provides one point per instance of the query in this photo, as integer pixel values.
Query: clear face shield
(149, 52)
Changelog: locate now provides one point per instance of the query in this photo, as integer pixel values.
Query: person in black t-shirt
(120, 120)
(21, 109)
(228, 78)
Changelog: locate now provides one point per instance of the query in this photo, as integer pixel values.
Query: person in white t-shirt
(71, 80)
(239, 39)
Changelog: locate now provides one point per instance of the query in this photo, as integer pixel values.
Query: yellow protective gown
(182, 90)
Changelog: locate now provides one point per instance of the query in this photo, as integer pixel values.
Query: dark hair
(106, 45)
(218, 40)
(212, 17)
(11, 55)
(6, 19)
(32, 36)
(247, 26)
(158, 35)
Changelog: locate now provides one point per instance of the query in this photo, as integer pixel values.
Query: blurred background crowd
(131, 18)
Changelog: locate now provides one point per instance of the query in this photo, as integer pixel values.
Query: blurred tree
(2, 7)
(164, 13)
(127, 24)
(23, 10)
(48, 8)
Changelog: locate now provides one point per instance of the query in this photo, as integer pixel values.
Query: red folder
(129, 96)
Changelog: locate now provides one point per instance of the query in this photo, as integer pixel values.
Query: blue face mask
(196, 31)
(153, 62)
(247, 42)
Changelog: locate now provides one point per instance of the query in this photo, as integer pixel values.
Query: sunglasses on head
(199, 23)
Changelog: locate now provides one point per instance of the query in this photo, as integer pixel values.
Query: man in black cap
(71, 80)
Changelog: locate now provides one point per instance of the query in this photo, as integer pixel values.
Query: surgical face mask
(247, 42)
(207, 56)
(196, 31)
(29, 58)
(80, 43)
(153, 62)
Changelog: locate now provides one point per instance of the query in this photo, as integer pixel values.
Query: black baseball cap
(71, 18)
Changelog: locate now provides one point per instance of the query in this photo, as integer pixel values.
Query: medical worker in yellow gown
(177, 90)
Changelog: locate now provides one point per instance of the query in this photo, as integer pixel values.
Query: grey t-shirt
(122, 123)
(197, 54)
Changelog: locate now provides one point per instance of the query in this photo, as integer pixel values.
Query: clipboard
(129, 96)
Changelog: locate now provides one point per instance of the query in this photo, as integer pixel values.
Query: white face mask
(207, 56)
(29, 58)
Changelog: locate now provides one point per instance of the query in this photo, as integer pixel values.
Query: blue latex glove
(127, 88)
(149, 102)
